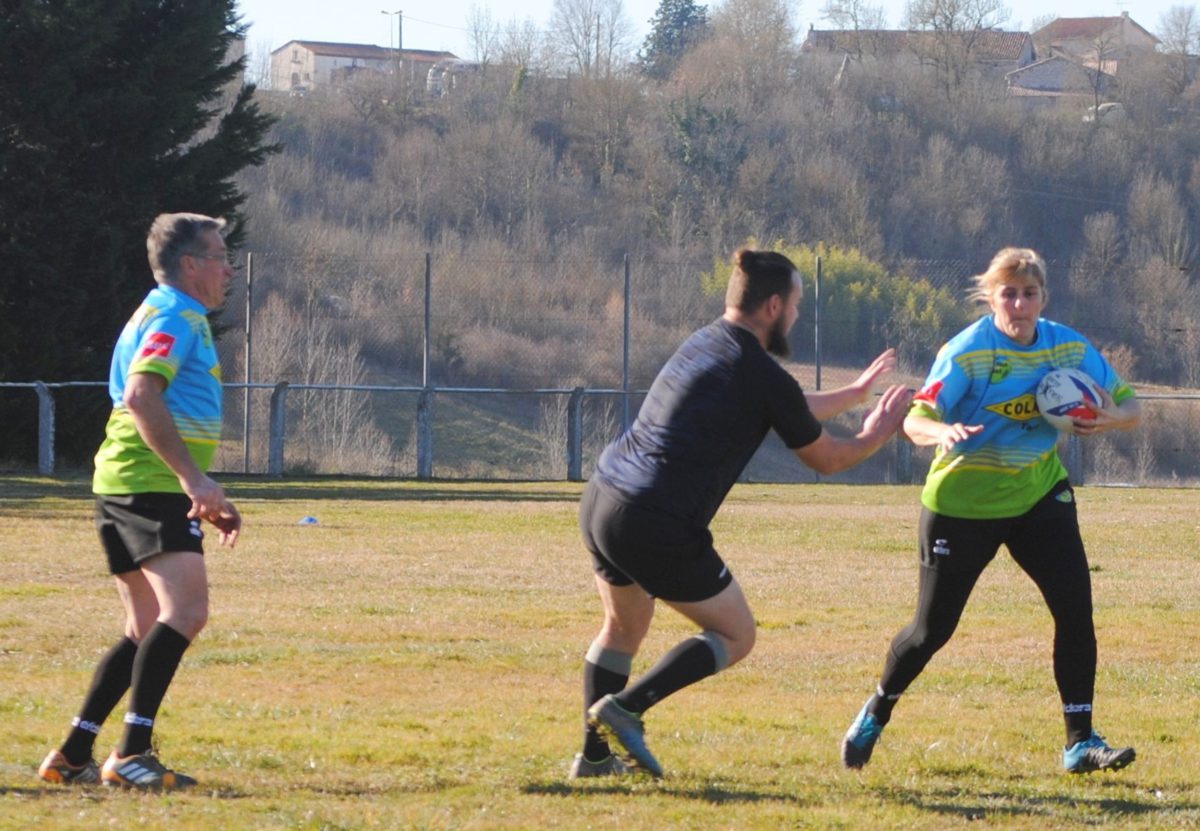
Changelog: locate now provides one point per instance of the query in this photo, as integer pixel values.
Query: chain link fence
(525, 369)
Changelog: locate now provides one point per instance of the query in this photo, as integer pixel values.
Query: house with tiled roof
(303, 65)
(1099, 42)
(1059, 78)
(1000, 50)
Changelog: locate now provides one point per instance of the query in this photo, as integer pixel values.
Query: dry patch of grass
(413, 662)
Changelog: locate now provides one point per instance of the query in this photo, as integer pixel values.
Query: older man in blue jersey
(152, 492)
(646, 510)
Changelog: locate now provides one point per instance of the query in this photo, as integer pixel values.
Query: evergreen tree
(111, 112)
(676, 27)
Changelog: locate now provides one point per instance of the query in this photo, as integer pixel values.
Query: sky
(442, 25)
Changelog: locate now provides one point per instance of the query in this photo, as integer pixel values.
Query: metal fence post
(575, 436)
(1075, 459)
(904, 453)
(427, 328)
(278, 429)
(45, 429)
(425, 435)
(248, 356)
(625, 338)
(817, 322)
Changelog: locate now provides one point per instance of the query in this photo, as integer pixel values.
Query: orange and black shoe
(55, 768)
(142, 771)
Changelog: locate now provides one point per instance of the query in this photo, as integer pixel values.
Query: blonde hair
(1010, 264)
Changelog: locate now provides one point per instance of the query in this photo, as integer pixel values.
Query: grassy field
(413, 662)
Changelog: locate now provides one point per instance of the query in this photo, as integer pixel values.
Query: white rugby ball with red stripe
(1061, 395)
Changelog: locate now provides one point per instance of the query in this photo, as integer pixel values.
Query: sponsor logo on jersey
(1000, 369)
(930, 393)
(158, 345)
(1022, 408)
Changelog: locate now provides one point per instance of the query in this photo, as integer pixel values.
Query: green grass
(413, 661)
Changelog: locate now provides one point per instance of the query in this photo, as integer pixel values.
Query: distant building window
(296, 55)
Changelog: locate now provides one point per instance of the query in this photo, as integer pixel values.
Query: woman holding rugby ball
(996, 478)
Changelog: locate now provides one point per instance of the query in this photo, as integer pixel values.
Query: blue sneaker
(625, 729)
(1095, 754)
(860, 739)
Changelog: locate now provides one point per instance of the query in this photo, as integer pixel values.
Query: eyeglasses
(226, 257)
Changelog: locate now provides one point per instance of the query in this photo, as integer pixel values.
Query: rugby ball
(1061, 395)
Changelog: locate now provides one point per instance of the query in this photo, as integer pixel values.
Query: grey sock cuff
(609, 659)
(714, 642)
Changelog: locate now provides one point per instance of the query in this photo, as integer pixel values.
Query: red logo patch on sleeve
(158, 345)
(930, 393)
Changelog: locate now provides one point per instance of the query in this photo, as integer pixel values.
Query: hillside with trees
(564, 160)
(721, 130)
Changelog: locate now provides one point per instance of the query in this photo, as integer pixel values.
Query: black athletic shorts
(664, 556)
(136, 527)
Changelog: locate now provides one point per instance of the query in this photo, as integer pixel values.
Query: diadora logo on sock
(1077, 708)
(90, 726)
(941, 548)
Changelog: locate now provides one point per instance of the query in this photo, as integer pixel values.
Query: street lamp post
(399, 15)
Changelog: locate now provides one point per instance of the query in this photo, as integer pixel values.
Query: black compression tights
(1045, 543)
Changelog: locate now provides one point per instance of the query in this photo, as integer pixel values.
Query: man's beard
(777, 340)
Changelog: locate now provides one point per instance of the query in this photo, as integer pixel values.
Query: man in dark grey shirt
(645, 513)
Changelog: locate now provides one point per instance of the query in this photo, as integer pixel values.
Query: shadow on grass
(712, 794)
(972, 806)
(99, 792)
(21, 492)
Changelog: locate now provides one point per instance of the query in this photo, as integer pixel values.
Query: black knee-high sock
(1079, 722)
(109, 683)
(881, 705)
(597, 683)
(689, 662)
(157, 659)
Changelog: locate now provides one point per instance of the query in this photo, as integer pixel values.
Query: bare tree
(761, 27)
(1179, 31)
(483, 34)
(751, 49)
(1104, 50)
(1096, 274)
(592, 35)
(260, 64)
(857, 18)
(1159, 226)
(521, 44)
(954, 28)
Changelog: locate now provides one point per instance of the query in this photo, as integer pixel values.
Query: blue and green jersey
(168, 335)
(981, 376)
